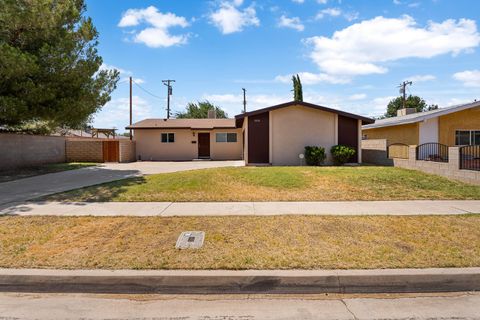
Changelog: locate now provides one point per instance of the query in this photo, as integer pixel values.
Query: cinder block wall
(84, 150)
(127, 151)
(23, 150)
(375, 151)
(450, 169)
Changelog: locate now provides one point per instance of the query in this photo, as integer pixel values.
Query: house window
(168, 137)
(226, 137)
(467, 137)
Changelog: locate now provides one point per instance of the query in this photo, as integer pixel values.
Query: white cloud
(322, 1)
(229, 18)
(116, 112)
(361, 48)
(332, 12)
(358, 96)
(421, 78)
(298, 1)
(309, 78)
(336, 12)
(124, 74)
(293, 23)
(470, 78)
(158, 34)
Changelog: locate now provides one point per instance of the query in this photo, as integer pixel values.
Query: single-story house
(275, 135)
(187, 139)
(452, 126)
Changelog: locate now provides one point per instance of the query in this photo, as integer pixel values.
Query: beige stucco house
(275, 135)
(187, 139)
(452, 126)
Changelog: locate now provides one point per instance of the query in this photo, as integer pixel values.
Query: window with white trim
(168, 137)
(226, 137)
(467, 137)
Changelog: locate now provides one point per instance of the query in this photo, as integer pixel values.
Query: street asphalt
(454, 306)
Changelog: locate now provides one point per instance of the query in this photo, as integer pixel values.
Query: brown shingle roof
(197, 124)
(365, 120)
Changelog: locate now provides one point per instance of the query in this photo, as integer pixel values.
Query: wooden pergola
(106, 132)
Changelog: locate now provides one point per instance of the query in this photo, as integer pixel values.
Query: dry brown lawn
(279, 242)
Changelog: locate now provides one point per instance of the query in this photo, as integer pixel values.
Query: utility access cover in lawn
(190, 240)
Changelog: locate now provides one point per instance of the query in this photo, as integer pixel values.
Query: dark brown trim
(180, 128)
(259, 138)
(365, 120)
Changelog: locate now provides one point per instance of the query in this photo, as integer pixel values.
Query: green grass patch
(279, 184)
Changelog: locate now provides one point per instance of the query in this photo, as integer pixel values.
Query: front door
(258, 138)
(204, 145)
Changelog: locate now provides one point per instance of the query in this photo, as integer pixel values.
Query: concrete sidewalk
(244, 281)
(168, 209)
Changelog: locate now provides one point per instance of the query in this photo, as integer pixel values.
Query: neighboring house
(94, 133)
(452, 126)
(276, 135)
(187, 139)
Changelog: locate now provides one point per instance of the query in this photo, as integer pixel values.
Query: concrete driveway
(38, 186)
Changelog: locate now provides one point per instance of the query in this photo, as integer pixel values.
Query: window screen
(226, 137)
(476, 138)
(168, 137)
(221, 137)
(462, 138)
(231, 137)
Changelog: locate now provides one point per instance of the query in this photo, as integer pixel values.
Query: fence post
(412, 155)
(454, 158)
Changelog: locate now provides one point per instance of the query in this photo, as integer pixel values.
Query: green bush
(314, 156)
(341, 154)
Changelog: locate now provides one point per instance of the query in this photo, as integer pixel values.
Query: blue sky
(350, 55)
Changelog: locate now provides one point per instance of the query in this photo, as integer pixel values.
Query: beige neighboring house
(187, 139)
(452, 126)
(275, 135)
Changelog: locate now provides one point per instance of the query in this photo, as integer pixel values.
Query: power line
(146, 91)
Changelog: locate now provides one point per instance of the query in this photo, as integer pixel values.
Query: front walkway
(30, 188)
(168, 209)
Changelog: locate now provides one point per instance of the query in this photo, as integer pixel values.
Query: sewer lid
(190, 240)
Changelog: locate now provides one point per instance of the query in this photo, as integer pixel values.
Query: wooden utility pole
(130, 107)
(244, 100)
(169, 93)
(403, 91)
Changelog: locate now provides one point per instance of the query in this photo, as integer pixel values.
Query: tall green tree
(411, 102)
(200, 110)
(49, 64)
(297, 88)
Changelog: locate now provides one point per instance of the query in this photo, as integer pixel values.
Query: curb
(249, 281)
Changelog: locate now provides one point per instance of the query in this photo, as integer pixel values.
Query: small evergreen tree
(297, 88)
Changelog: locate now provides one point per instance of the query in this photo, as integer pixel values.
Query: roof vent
(404, 112)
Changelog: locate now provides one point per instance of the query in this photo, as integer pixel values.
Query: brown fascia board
(177, 128)
(365, 120)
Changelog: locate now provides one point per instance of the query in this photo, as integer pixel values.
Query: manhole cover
(190, 240)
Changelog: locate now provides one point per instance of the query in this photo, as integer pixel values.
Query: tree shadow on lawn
(97, 193)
